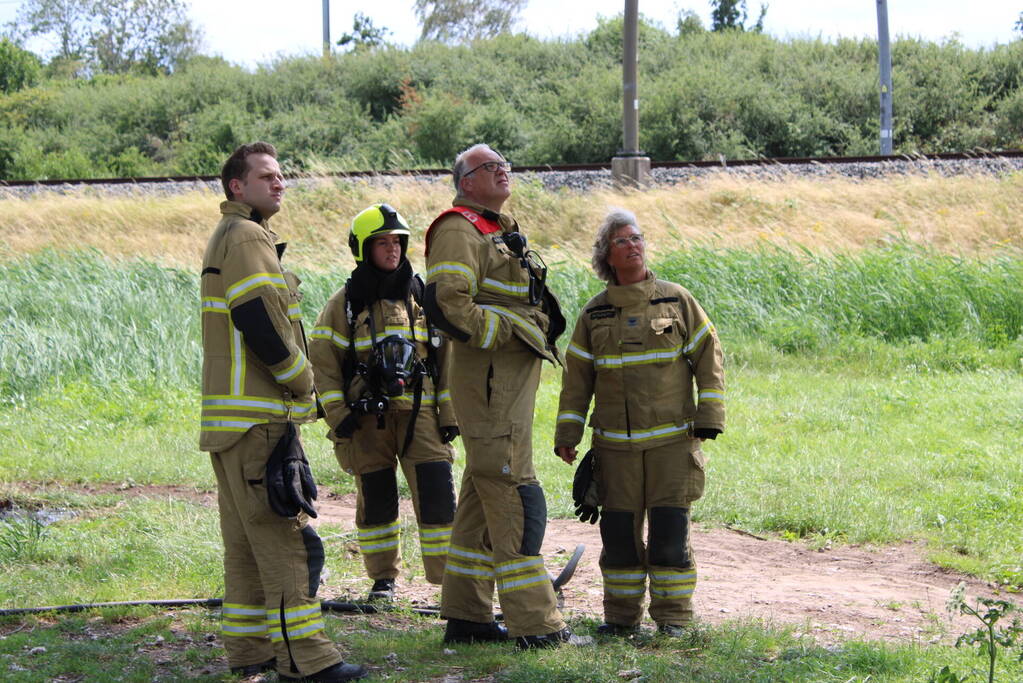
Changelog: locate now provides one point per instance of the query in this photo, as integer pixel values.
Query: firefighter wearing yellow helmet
(381, 375)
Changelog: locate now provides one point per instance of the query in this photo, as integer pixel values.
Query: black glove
(290, 486)
(584, 490)
(346, 427)
(448, 434)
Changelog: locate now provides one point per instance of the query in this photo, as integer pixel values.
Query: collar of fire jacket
(506, 222)
(243, 210)
(621, 296)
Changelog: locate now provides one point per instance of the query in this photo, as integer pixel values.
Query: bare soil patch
(888, 593)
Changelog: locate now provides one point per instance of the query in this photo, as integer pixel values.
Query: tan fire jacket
(637, 349)
(482, 288)
(242, 276)
(331, 338)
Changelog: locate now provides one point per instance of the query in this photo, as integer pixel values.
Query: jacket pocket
(694, 462)
(488, 447)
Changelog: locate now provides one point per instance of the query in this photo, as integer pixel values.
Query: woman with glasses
(647, 354)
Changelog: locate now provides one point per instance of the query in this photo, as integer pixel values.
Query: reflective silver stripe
(469, 554)
(577, 351)
(251, 610)
(698, 337)
(231, 628)
(378, 547)
(297, 366)
(243, 403)
(712, 396)
(380, 531)
(237, 362)
(435, 533)
(514, 288)
(664, 593)
(455, 568)
(625, 591)
(512, 567)
(523, 324)
(331, 335)
(569, 416)
(215, 305)
(642, 435)
(332, 397)
(523, 582)
(254, 281)
(304, 631)
(456, 268)
(234, 424)
(670, 577)
(638, 358)
(492, 323)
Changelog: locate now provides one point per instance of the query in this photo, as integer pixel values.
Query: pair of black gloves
(346, 428)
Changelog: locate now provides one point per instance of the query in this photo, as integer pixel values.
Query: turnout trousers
(371, 457)
(502, 514)
(271, 567)
(654, 486)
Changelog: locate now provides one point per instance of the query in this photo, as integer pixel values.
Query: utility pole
(630, 167)
(885, 63)
(326, 28)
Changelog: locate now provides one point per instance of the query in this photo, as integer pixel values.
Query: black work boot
(555, 639)
(253, 669)
(338, 673)
(611, 629)
(383, 589)
(671, 630)
(464, 631)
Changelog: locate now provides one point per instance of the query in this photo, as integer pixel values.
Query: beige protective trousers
(271, 567)
(371, 456)
(502, 514)
(655, 486)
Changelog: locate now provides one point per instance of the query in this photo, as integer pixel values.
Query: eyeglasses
(626, 241)
(491, 166)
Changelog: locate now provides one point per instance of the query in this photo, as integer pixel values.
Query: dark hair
(237, 165)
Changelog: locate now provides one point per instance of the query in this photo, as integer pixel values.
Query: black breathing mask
(393, 366)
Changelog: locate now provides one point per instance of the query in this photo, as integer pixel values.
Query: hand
(566, 453)
(587, 513)
(346, 428)
(449, 433)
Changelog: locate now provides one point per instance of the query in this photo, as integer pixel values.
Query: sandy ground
(832, 594)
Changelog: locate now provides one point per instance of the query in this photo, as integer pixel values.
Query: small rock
(629, 674)
(16, 667)
(450, 652)
(580, 641)
(37, 650)
(392, 658)
(724, 610)
(210, 637)
(158, 641)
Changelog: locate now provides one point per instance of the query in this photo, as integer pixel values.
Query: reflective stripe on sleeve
(571, 416)
(457, 269)
(246, 285)
(330, 334)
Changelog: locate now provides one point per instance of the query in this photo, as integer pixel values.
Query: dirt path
(889, 593)
(834, 594)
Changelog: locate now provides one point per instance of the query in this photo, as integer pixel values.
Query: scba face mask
(394, 365)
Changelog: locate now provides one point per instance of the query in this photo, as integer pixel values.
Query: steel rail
(564, 168)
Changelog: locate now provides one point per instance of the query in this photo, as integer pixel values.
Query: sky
(253, 32)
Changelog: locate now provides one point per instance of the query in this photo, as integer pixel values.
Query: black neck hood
(370, 284)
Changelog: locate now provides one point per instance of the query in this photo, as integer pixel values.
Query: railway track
(662, 171)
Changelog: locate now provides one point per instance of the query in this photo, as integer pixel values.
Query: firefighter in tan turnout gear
(486, 290)
(381, 376)
(257, 384)
(636, 350)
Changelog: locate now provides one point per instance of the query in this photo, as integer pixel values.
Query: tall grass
(75, 315)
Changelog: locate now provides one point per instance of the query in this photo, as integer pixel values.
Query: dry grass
(966, 214)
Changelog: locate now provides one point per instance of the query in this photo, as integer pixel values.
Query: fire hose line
(327, 605)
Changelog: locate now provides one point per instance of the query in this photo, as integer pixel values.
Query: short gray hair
(615, 219)
(458, 170)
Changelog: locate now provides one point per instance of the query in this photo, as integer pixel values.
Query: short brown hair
(237, 165)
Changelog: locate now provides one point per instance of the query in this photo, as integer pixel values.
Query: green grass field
(873, 397)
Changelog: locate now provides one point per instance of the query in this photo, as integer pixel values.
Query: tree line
(705, 94)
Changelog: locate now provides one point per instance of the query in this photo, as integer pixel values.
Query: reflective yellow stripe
(453, 267)
(246, 285)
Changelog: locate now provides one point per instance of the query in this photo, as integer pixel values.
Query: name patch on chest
(598, 315)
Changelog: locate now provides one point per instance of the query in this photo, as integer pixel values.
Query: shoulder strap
(484, 224)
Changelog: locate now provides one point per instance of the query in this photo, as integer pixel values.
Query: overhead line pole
(630, 167)
(885, 65)
(326, 28)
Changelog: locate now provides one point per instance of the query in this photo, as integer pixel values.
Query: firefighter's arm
(452, 281)
(254, 287)
(445, 408)
(328, 349)
(703, 349)
(577, 381)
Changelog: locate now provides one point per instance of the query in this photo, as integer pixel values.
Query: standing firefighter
(637, 348)
(381, 375)
(257, 384)
(487, 291)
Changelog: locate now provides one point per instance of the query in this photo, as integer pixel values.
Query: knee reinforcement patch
(669, 537)
(534, 518)
(314, 557)
(618, 536)
(380, 496)
(436, 492)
